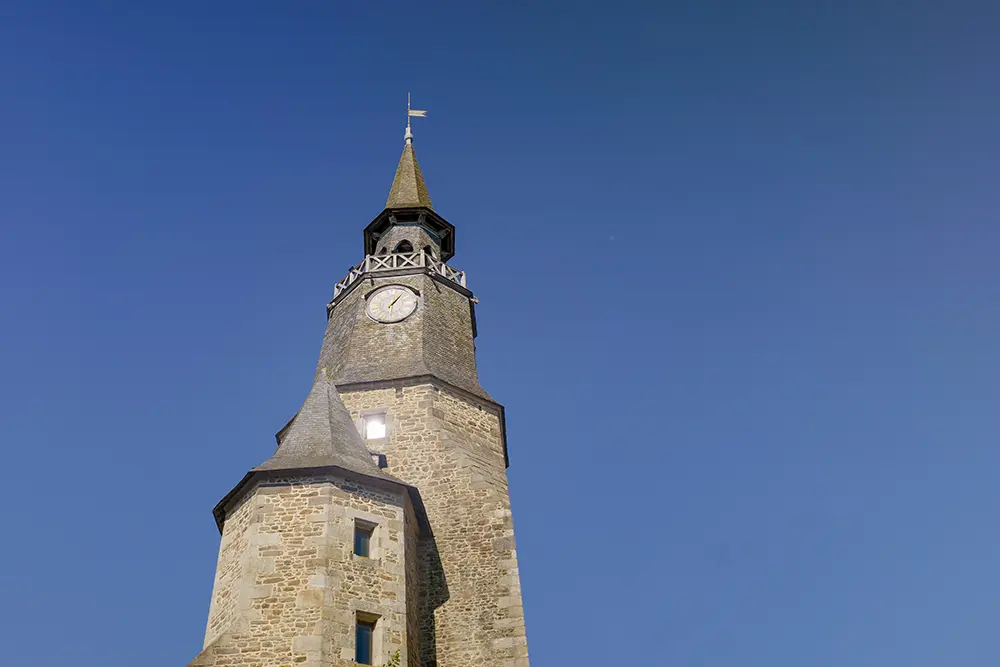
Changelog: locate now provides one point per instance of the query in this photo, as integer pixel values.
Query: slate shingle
(408, 187)
(323, 434)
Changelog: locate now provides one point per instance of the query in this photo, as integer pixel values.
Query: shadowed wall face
(415, 235)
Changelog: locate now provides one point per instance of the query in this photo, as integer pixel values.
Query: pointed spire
(408, 188)
(323, 434)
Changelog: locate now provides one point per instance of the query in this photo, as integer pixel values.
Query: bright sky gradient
(738, 274)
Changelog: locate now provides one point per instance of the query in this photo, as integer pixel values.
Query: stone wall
(230, 571)
(292, 598)
(449, 446)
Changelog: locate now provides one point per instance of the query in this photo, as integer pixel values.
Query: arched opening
(429, 251)
(403, 246)
(383, 251)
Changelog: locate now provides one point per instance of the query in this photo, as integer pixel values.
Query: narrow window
(375, 426)
(404, 246)
(363, 538)
(363, 639)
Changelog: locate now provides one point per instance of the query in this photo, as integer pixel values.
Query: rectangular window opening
(363, 538)
(364, 638)
(379, 460)
(375, 426)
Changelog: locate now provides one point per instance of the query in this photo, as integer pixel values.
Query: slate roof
(408, 188)
(323, 434)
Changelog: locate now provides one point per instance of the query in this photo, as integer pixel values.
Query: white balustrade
(395, 261)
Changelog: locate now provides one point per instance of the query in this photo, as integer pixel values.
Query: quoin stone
(380, 530)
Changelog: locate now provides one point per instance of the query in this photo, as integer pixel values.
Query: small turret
(409, 221)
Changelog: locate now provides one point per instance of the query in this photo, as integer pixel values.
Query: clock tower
(381, 528)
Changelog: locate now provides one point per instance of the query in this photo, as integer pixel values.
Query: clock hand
(391, 303)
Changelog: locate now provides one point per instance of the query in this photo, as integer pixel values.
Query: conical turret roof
(408, 188)
(410, 203)
(323, 434)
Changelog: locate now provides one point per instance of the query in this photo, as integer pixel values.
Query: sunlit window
(375, 426)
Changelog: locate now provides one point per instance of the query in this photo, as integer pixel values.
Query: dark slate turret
(408, 212)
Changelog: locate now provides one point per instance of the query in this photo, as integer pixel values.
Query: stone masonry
(288, 586)
(441, 582)
(448, 444)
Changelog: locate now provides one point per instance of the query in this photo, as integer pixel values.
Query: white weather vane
(411, 113)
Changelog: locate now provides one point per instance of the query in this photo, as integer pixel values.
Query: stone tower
(381, 526)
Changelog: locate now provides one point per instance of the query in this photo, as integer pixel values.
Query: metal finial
(411, 113)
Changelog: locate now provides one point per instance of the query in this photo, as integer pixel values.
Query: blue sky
(738, 283)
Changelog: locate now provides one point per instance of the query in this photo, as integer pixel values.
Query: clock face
(392, 303)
